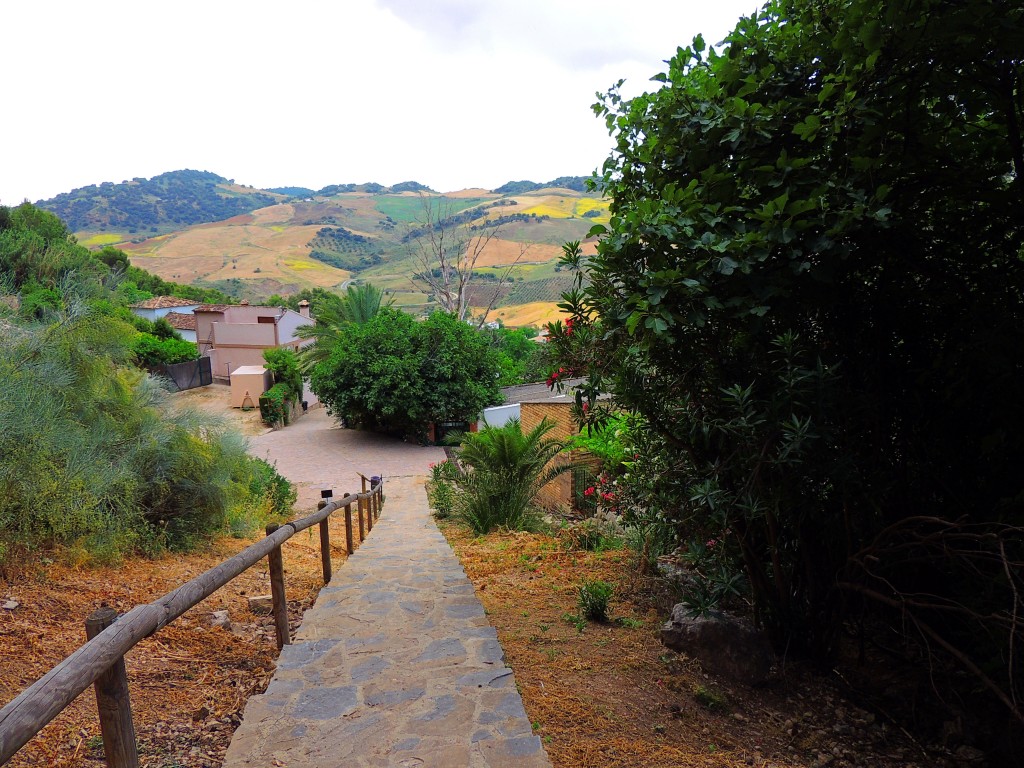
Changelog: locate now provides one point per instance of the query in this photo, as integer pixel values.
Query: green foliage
(441, 495)
(164, 330)
(359, 304)
(810, 287)
(38, 303)
(611, 440)
(275, 405)
(284, 364)
(592, 598)
(77, 424)
(265, 483)
(151, 351)
(179, 197)
(505, 469)
(394, 374)
(711, 699)
(146, 283)
(516, 351)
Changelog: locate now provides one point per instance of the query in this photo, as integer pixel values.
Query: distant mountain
(372, 188)
(293, 191)
(183, 198)
(176, 199)
(575, 183)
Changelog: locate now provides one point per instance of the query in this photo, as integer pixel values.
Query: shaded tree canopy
(812, 288)
(396, 374)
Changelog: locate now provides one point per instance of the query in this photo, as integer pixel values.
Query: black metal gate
(195, 373)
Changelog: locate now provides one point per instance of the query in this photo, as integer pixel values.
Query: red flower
(589, 491)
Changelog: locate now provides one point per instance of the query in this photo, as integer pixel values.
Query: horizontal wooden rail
(27, 714)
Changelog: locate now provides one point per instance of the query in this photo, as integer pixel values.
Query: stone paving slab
(395, 665)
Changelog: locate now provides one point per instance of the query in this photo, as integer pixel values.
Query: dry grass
(252, 247)
(500, 252)
(535, 313)
(604, 695)
(474, 192)
(188, 683)
(612, 695)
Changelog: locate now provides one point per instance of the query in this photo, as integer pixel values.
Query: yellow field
(534, 313)
(588, 204)
(559, 209)
(101, 238)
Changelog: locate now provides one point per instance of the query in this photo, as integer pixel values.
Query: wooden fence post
(112, 700)
(348, 528)
(359, 510)
(280, 603)
(369, 513)
(325, 543)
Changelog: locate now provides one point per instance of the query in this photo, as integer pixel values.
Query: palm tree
(505, 471)
(359, 304)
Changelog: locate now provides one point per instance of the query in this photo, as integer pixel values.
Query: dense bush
(151, 351)
(284, 364)
(97, 464)
(276, 405)
(812, 289)
(395, 374)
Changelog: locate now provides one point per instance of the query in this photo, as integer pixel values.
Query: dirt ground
(188, 683)
(216, 399)
(599, 694)
(611, 695)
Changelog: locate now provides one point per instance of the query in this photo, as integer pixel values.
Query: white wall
(498, 416)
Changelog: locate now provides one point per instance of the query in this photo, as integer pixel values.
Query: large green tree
(812, 288)
(399, 375)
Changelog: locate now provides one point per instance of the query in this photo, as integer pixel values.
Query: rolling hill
(273, 242)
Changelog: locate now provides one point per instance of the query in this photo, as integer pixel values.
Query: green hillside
(176, 199)
(199, 228)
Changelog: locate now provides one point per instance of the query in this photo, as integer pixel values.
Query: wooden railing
(101, 659)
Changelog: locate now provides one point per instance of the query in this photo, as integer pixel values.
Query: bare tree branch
(446, 247)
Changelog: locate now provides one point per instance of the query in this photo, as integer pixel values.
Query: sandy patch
(216, 399)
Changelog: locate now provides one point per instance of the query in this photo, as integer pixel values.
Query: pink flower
(589, 491)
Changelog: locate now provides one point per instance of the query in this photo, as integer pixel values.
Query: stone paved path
(396, 664)
(314, 452)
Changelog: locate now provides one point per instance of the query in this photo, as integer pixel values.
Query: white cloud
(451, 93)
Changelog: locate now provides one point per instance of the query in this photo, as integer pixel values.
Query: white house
(159, 306)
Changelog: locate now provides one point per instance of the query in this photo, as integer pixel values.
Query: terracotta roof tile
(164, 302)
(181, 320)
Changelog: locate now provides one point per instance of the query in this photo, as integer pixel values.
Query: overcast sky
(449, 93)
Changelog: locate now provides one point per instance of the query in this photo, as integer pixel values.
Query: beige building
(235, 335)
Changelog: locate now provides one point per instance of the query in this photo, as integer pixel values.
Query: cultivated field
(326, 242)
